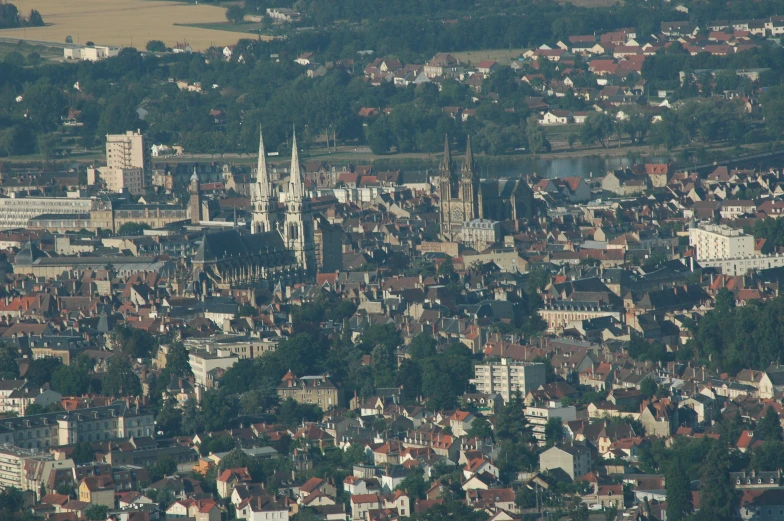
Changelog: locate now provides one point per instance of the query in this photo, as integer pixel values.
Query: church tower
(469, 185)
(265, 203)
(194, 203)
(445, 192)
(298, 231)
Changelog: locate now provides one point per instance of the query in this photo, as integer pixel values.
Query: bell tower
(265, 203)
(298, 230)
(194, 203)
(445, 191)
(469, 185)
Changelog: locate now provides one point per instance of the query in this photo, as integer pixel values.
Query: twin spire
(296, 188)
(468, 163)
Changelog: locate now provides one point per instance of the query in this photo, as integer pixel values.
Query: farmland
(124, 22)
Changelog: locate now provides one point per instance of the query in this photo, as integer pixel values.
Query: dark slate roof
(231, 244)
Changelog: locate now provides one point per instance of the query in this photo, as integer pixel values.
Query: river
(587, 166)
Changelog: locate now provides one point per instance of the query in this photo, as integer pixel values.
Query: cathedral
(463, 196)
(280, 248)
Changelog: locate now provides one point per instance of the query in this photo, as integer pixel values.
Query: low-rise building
(316, 390)
(575, 460)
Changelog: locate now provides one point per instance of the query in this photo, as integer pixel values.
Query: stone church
(280, 249)
(465, 197)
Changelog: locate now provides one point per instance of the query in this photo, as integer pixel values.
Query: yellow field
(124, 22)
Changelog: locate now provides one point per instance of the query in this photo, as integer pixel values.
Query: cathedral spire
(446, 161)
(262, 176)
(295, 179)
(468, 163)
(262, 195)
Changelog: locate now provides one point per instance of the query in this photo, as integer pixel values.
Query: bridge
(749, 158)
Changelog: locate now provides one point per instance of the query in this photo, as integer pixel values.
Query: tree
(218, 409)
(236, 458)
(553, 431)
(156, 46)
(192, 421)
(178, 361)
(510, 423)
(534, 134)
(769, 426)
(525, 498)
(45, 103)
(96, 512)
(679, 503)
(83, 453)
(40, 371)
(133, 342)
(719, 497)
(9, 368)
(70, 380)
(47, 145)
(120, 380)
(133, 228)
(235, 14)
(537, 279)
(414, 484)
(480, 428)
(648, 387)
(292, 413)
(598, 126)
(169, 419)
(165, 466)
(35, 19)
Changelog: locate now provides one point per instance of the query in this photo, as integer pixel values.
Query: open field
(502, 56)
(125, 22)
(47, 53)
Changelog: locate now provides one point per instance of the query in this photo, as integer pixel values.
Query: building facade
(316, 390)
(128, 151)
(720, 242)
(507, 378)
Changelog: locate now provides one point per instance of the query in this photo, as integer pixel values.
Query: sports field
(124, 22)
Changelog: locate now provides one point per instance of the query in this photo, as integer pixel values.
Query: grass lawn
(502, 56)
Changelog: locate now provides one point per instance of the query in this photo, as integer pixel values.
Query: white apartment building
(736, 266)
(27, 469)
(202, 362)
(16, 212)
(118, 179)
(11, 466)
(127, 151)
(480, 234)
(538, 415)
(506, 378)
(713, 241)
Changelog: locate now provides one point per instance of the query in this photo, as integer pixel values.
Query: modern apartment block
(506, 378)
(128, 164)
(720, 242)
(128, 151)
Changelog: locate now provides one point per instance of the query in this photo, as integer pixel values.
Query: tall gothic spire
(468, 163)
(446, 161)
(295, 179)
(262, 176)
